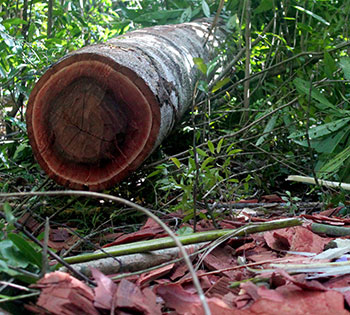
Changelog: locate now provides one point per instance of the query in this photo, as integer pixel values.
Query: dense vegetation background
(280, 107)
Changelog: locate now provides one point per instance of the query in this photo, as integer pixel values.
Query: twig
(307, 128)
(276, 159)
(238, 56)
(313, 54)
(195, 186)
(231, 135)
(215, 21)
(45, 261)
(248, 44)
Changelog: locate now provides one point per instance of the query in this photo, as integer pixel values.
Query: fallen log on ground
(99, 112)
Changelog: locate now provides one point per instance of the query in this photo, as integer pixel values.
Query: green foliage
(290, 202)
(16, 252)
(208, 175)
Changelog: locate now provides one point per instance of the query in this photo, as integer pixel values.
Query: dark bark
(99, 112)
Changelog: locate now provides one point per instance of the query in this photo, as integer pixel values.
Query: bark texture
(99, 112)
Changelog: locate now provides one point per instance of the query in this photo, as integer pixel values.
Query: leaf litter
(285, 271)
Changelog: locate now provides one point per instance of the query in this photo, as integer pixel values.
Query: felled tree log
(99, 112)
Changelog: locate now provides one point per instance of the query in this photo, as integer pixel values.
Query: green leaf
(303, 87)
(269, 126)
(326, 144)
(203, 86)
(22, 151)
(345, 65)
(220, 84)
(232, 22)
(26, 249)
(10, 218)
(186, 15)
(7, 39)
(265, 5)
(206, 162)
(322, 130)
(154, 173)
(200, 64)
(185, 230)
(176, 161)
(315, 16)
(218, 148)
(212, 65)
(335, 163)
(235, 151)
(211, 146)
(205, 8)
(12, 256)
(154, 17)
(330, 65)
(201, 152)
(14, 21)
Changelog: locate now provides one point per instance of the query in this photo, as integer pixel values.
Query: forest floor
(301, 269)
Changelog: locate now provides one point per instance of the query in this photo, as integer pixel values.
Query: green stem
(166, 242)
(331, 230)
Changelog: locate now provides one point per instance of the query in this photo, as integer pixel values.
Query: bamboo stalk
(331, 230)
(311, 180)
(167, 242)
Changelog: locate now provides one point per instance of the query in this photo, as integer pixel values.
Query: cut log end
(89, 124)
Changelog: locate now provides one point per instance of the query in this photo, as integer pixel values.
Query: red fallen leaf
(130, 298)
(29, 222)
(176, 297)
(216, 306)
(228, 224)
(110, 236)
(184, 302)
(150, 224)
(341, 282)
(245, 247)
(59, 235)
(271, 198)
(220, 287)
(292, 300)
(59, 245)
(251, 289)
(298, 239)
(325, 219)
(205, 225)
(256, 219)
(180, 270)
(104, 291)
(187, 282)
(221, 258)
(331, 212)
(338, 282)
(300, 281)
(346, 295)
(136, 236)
(261, 256)
(63, 294)
(155, 274)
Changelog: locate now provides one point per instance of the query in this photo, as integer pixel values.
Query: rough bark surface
(99, 112)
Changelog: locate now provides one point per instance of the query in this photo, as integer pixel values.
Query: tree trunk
(99, 112)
